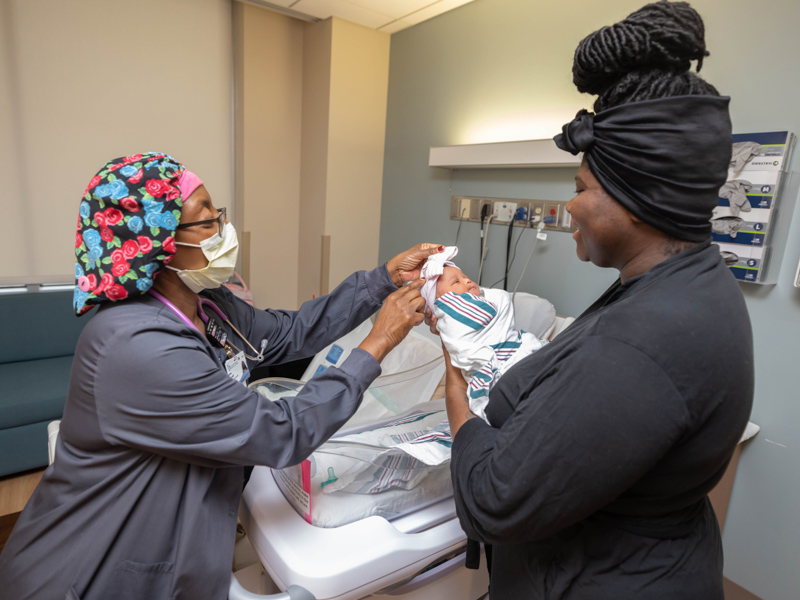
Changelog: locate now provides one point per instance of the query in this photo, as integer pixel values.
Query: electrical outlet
(503, 212)
(551, 215)
(463, 210)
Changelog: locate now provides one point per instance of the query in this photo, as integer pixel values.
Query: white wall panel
(84, 81)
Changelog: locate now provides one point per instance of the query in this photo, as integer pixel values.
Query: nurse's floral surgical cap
(127, 221)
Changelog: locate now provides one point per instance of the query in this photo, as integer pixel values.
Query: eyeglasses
(219, 219)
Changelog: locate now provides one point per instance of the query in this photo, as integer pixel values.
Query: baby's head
(454, 280)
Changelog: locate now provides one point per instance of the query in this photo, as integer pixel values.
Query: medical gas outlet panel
(750, 223)
(502, 211)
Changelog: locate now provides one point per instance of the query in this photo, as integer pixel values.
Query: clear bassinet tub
(366, 468)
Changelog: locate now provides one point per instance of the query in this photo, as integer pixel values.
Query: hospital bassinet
(396, 544)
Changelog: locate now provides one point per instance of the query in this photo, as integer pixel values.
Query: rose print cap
(127, 221)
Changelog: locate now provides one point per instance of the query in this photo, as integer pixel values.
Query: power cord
(508, 251)
(521, 214)
(484, 212)
(485, 250)
(539, 236)
(458, 231)
(484, 236)
(514, 251)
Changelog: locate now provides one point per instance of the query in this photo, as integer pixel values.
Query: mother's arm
(458, 411)
(588, 432)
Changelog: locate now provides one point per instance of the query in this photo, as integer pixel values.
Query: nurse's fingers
(401, 311)
(407, 265)
(414, 284)
(418, 304)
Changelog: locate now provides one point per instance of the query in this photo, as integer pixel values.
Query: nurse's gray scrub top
(141, 501)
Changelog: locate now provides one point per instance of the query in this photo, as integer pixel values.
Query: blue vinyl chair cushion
(33, 391)
(41, 325)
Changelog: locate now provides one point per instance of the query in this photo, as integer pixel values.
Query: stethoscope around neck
(204, 302)
(227, 344)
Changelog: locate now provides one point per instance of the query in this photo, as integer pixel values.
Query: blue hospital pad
(320, 369)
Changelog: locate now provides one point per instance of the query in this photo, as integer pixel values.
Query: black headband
(664, 160)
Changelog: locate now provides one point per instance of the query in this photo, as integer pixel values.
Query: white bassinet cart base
(362, 558)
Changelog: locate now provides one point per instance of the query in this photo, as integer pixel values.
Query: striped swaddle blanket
(479, 334)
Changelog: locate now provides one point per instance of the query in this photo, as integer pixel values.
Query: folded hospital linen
(376, 460)
(433, 448)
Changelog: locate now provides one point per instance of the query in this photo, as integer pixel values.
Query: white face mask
(221, 253)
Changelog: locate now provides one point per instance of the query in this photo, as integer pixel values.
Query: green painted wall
(497, 70)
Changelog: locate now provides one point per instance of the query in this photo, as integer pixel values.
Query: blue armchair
(39, 332)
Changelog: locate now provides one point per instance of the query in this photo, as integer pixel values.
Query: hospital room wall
(310, 126)
(84, 81)
(345, 85)
(496, 70)
(268, 59)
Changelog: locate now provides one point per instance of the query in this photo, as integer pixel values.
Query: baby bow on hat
(433, 269)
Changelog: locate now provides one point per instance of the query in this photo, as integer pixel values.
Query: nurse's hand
(407, 265)
(401, 311)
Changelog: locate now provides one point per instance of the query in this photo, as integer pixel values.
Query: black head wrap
(664, 160)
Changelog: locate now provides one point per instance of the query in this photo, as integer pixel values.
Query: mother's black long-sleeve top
(592, 481)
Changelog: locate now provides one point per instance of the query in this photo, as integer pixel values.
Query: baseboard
(733, 591)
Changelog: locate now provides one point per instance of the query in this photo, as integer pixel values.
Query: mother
(141, 501)
(592, 481)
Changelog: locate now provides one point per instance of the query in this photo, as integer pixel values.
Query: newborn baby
(476, 326)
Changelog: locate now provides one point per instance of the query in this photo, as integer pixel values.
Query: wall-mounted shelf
(528, 154)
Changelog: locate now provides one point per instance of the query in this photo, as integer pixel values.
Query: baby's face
(454, 280)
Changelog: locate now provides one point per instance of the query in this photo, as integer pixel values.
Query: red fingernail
(441, 248)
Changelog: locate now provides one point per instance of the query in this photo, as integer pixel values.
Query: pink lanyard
(172, 307)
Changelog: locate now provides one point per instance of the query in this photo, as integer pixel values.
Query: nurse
(591, 481)
(142, 499)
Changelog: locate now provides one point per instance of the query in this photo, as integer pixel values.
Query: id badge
(215, 332)
(237, 368)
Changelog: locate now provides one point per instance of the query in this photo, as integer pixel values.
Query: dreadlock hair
(645, 56)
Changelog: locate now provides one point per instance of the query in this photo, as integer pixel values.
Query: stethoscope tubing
(203, 302)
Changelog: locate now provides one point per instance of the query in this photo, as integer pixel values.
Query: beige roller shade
(84, 81)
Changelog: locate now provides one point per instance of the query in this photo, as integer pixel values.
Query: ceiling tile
(395, 26)
(344, 10)
(433, 10)
(394, 8)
